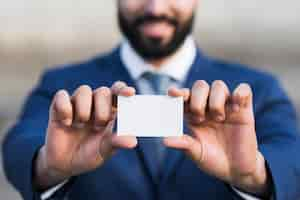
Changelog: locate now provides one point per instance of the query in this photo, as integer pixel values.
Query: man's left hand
(223, 141)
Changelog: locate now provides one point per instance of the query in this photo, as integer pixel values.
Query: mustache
(152, 19)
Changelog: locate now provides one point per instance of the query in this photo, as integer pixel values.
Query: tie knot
(159, 82)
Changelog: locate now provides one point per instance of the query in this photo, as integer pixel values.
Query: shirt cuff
(246, 196)
(48, 193)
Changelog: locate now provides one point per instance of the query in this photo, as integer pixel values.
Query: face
(156, 28)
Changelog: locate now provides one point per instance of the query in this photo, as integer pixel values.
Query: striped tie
(159, 84)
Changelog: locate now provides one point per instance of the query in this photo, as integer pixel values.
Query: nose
(157, 7)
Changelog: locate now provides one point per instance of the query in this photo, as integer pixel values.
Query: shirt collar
(177, 67)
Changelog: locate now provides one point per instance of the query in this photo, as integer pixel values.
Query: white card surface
(150, 116)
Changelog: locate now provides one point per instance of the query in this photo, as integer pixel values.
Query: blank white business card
(150, 116)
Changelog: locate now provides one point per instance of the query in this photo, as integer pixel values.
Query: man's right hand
(80, 134)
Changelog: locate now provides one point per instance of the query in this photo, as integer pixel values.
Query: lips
(156, 29)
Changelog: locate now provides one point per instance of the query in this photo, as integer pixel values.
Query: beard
(154, 48)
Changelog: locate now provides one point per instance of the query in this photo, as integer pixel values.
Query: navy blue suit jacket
(128, 174)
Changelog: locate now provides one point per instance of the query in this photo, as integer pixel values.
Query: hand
(223, 140)
(80, 133)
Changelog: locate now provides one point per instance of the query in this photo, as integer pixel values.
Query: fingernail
(201, 119)
(67, 122)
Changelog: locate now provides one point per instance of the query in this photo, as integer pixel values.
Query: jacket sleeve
(25, 138)
(278, 138)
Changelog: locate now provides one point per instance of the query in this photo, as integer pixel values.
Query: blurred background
(35, 35)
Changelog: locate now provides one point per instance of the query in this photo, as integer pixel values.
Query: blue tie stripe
(159, 84)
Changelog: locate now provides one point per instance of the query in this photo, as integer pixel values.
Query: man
(240, 138)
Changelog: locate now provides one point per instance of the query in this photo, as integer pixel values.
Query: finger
(242, 96)
(82, 104)
(176, 92)
(61, 108)
(120, 88)
(117, 86)
(219, 94)
(245, 139)
(192, 119)
(102, 106)
(113, 142)
(199, 96)
(240, 109)
(188, 144)
(127, 142)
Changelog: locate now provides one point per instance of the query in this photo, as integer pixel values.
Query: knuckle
(101, 120)
(61, 108)
(82, 112)
(103, 116)
(216, 110)
(216, 107)
(81, 116)
(197, 109)
(84, 116)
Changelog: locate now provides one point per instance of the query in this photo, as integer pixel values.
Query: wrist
(44, 176)
(260, 182)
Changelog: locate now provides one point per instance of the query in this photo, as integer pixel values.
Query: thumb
(112, 142)
(188, 144)
(61, 109)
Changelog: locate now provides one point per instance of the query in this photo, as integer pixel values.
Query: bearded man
(240, 141)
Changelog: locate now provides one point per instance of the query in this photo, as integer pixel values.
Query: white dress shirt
(177, 68)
